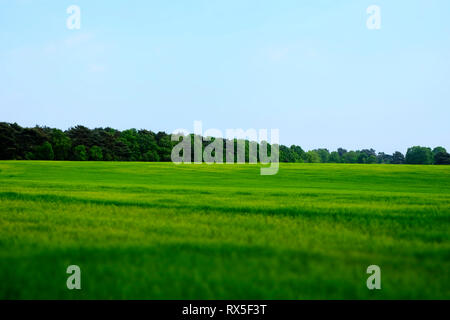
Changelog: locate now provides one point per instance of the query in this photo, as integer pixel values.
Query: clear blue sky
(310, 68)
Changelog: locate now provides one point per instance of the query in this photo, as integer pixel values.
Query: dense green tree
(286, 154)
(366, 156)
(106, 139)
(28, 139)
(148, 147)
(324, 155)
(436, 151)
(30, 156)
(61, 144)
(312, 157)
(334, 157)
(442, 157)
(298, 154)
(292, 154)
(151, 156)
(419, 155)
(121, 151)
(8, 142)
(371, 159)
(80, 135)
(95, 153)
(80, 153)
(350, 157)
(384, 158)
(130, 139)
(341, 152)
(131, 145)
(165, 146)
(398, 158)
(44, 152)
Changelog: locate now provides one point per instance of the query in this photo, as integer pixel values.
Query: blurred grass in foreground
(162, 231)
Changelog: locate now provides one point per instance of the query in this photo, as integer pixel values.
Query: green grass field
(161, 231)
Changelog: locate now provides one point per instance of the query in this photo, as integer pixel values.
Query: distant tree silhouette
(95, 153)
(44, 152)
(442, 157)
(419, 155)
(398, 158)
(80, 153)
(81, 143)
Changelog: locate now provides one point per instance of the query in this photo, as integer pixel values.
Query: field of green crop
(162, 231)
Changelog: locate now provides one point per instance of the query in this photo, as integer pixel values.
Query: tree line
(80, 143)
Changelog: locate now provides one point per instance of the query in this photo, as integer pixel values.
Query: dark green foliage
(95, 153)
(366, 156)
(61, 144)
(438, 150)
(341, 152)
(8, 146)
(151, 156)
(324, 155)
(419, 155)
(44, 152)
(130, 140)
(292, 154)
(80, 153)
(298, 153)
(439, 155)
(398, 158)
(285, 154)
(384, 158)
(312, 157)
(80, 135)
(108, 144)
(148, 146)
(442, 157)
(334, 157)
(164, 146)
(350, 157)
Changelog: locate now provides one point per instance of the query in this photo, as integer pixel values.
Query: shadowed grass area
(165, 231)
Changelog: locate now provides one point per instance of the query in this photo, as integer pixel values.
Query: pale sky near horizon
(311, 68)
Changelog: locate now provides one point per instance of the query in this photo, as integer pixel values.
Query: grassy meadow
(165, 231)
